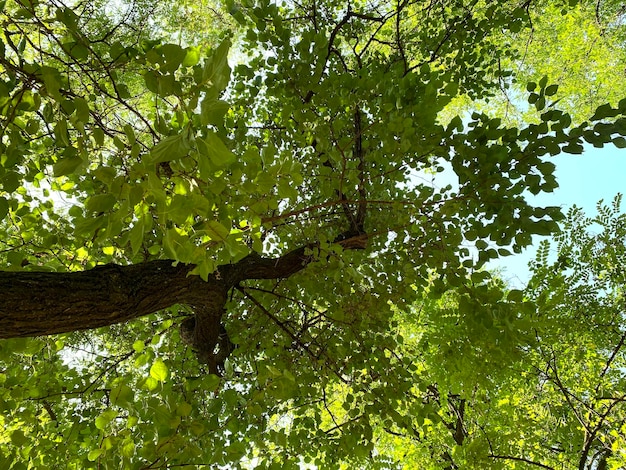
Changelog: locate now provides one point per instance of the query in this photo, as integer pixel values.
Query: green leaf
(216, 231)
(77, 50)
(66, 166)
(128, 449)
(4, 93)
(177, 246)
(130, 134)
(212, 111)
(216, 72)
(101, 202)
(10, 181)
(173, 55)
(61, 133)
(18, 438)
(29, 101)
(204, 268)
(170, 148)
(481, 244)
(160, 84)
(121, 395)
(82, 110)
(216, 150)
(573, 148)
(89, 226)
(151, 79)
(545, 227)
(151, 384)
(619, 142)
(68, 106)
(68, 17)
(159, 370)
(540, 103)
(212, 382)
(52, 80)
(192, 56)
(184, 409)
(551, 90)
(135, 236)
(515, 295)
(4, 207)
(604, 111)
(98, 136)
(94, 454)
(103, 420)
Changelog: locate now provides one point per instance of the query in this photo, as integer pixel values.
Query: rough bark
(44, 303)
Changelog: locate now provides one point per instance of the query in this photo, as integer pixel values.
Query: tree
(271, 220)
(588, 37)
(539, 385)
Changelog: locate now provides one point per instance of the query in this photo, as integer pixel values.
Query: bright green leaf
(192, 56)
(103, 420)
(94, 454)
(159, 370)
(216, 231)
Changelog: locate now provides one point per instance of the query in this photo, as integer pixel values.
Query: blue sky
(583, 181)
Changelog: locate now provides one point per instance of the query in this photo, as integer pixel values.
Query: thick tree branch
(44, 303)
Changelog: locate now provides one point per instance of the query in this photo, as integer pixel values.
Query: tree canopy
(255, 234)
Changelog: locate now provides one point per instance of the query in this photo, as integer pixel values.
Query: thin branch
(521, 459)
(382, 202)
(287, 331)
(360, 155)
(565, 392)
(333, 34)
(611, 359)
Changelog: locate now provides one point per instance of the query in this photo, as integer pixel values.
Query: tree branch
(520, 459)
(44, 303)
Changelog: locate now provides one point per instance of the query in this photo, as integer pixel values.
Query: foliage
(577, 44)
(532, 379)
(580, 361)
(122, 141)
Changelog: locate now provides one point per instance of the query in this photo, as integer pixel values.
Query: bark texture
(43, 303)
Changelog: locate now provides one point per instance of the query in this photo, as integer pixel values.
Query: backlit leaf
(216, 231)
(159, 370)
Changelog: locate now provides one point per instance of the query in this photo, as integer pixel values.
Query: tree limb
(45, 303)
